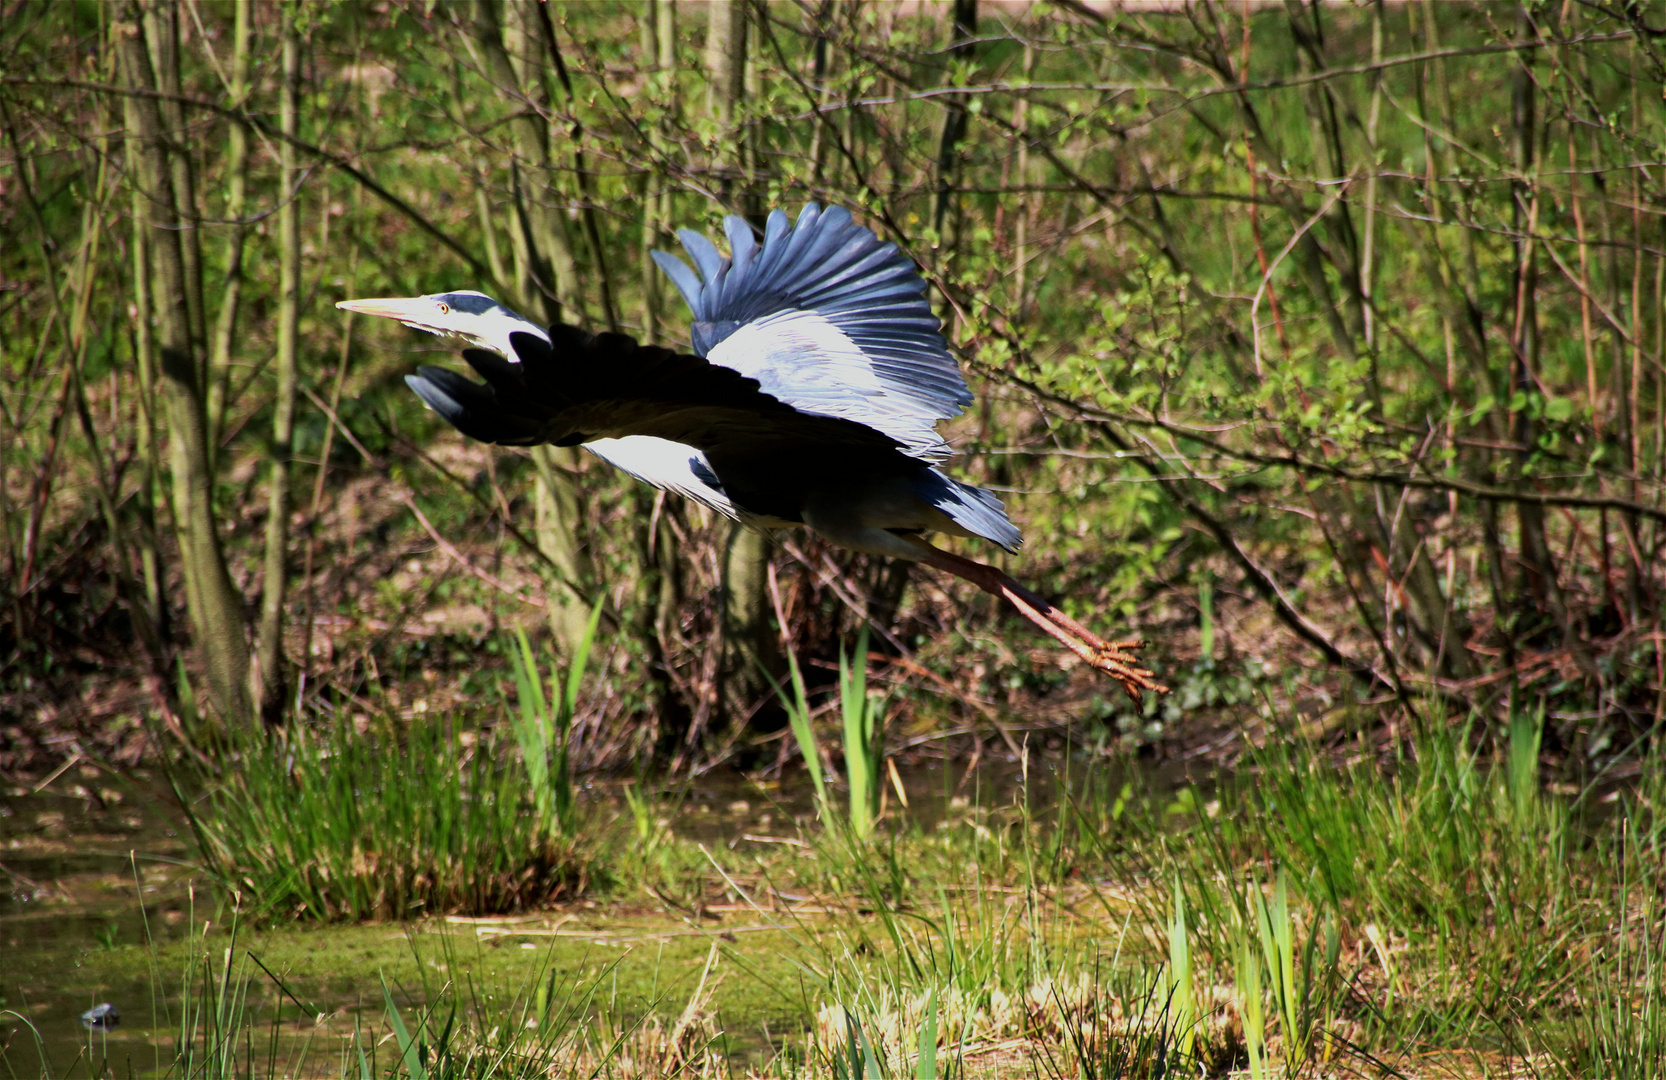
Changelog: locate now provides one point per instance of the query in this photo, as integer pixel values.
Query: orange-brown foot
(1117, 659)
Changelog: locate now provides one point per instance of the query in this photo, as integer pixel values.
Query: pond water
(101, 903)
(76, 856)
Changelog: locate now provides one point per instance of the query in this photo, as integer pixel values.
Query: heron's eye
(445, 309)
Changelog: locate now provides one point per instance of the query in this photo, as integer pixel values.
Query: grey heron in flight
(811, 397)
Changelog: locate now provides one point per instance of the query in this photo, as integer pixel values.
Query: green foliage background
(1351, 315)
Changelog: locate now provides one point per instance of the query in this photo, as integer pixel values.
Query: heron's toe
(1118, 660)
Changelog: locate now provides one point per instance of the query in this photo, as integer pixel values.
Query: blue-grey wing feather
(741, 245)
(972, 508)
(686, 280)
(831, 320)
(706, 257)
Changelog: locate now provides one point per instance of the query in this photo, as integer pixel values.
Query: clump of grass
(1103, 1024)
(864, 730)
(224, 1026)
(323, 822)
(956, 955)
(1620, 1031)
(1426, 894)
(841, 1040)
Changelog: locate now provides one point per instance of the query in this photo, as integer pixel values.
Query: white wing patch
(664, 464)
(806, 360)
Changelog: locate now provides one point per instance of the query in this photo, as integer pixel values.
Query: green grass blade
(925, 1066)
(870, 1062)
(581, 659)
(856, 775)
(365, 1072)
(1180, 977)
(863, 752)
(1522, 766)
(409, 1050)
(1248, 978)
(798, 717)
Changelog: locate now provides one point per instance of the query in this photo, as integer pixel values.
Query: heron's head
(471, 316)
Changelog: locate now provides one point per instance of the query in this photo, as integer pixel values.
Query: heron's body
(817, 378)
(738, 451)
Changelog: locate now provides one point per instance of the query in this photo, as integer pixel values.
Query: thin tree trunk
(1367, 267)
(751, 652)
(237, 176)
(1021, 227)
(665, 30)
(343, 362)
(751, 655)
(270, 674)
(558, 518)
(725, 59)
(820, 72)
(658, 565)
(535, 17)
(146, 440)
(161, 22)
(1538, 571)
(1634, 425)
(1330, 155)
(964, 31)
(530, 232)
(544, 269)
(488, 227)
(1592, 393)
(658, 29)
(216, 609)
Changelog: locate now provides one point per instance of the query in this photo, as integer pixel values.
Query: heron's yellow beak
(390, 307)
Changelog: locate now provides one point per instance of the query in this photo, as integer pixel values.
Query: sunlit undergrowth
(1352, 905)
(386, 820)
(1326, 910)
(1438, 899)
(329, 823)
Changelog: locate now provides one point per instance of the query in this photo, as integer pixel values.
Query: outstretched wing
(829, 320)
(574, 387)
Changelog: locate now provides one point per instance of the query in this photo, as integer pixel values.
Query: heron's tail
(972, 508)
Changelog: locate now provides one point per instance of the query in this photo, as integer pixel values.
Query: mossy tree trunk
(751, 651)
(237, 177)
(658, 593)
(546, 274)
(216, 608)
(963, 32)
(270, 666)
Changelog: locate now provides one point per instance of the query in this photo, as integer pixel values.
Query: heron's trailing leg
(1114, 658)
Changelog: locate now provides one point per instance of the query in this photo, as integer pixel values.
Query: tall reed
(862, 729)
(543, 726)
